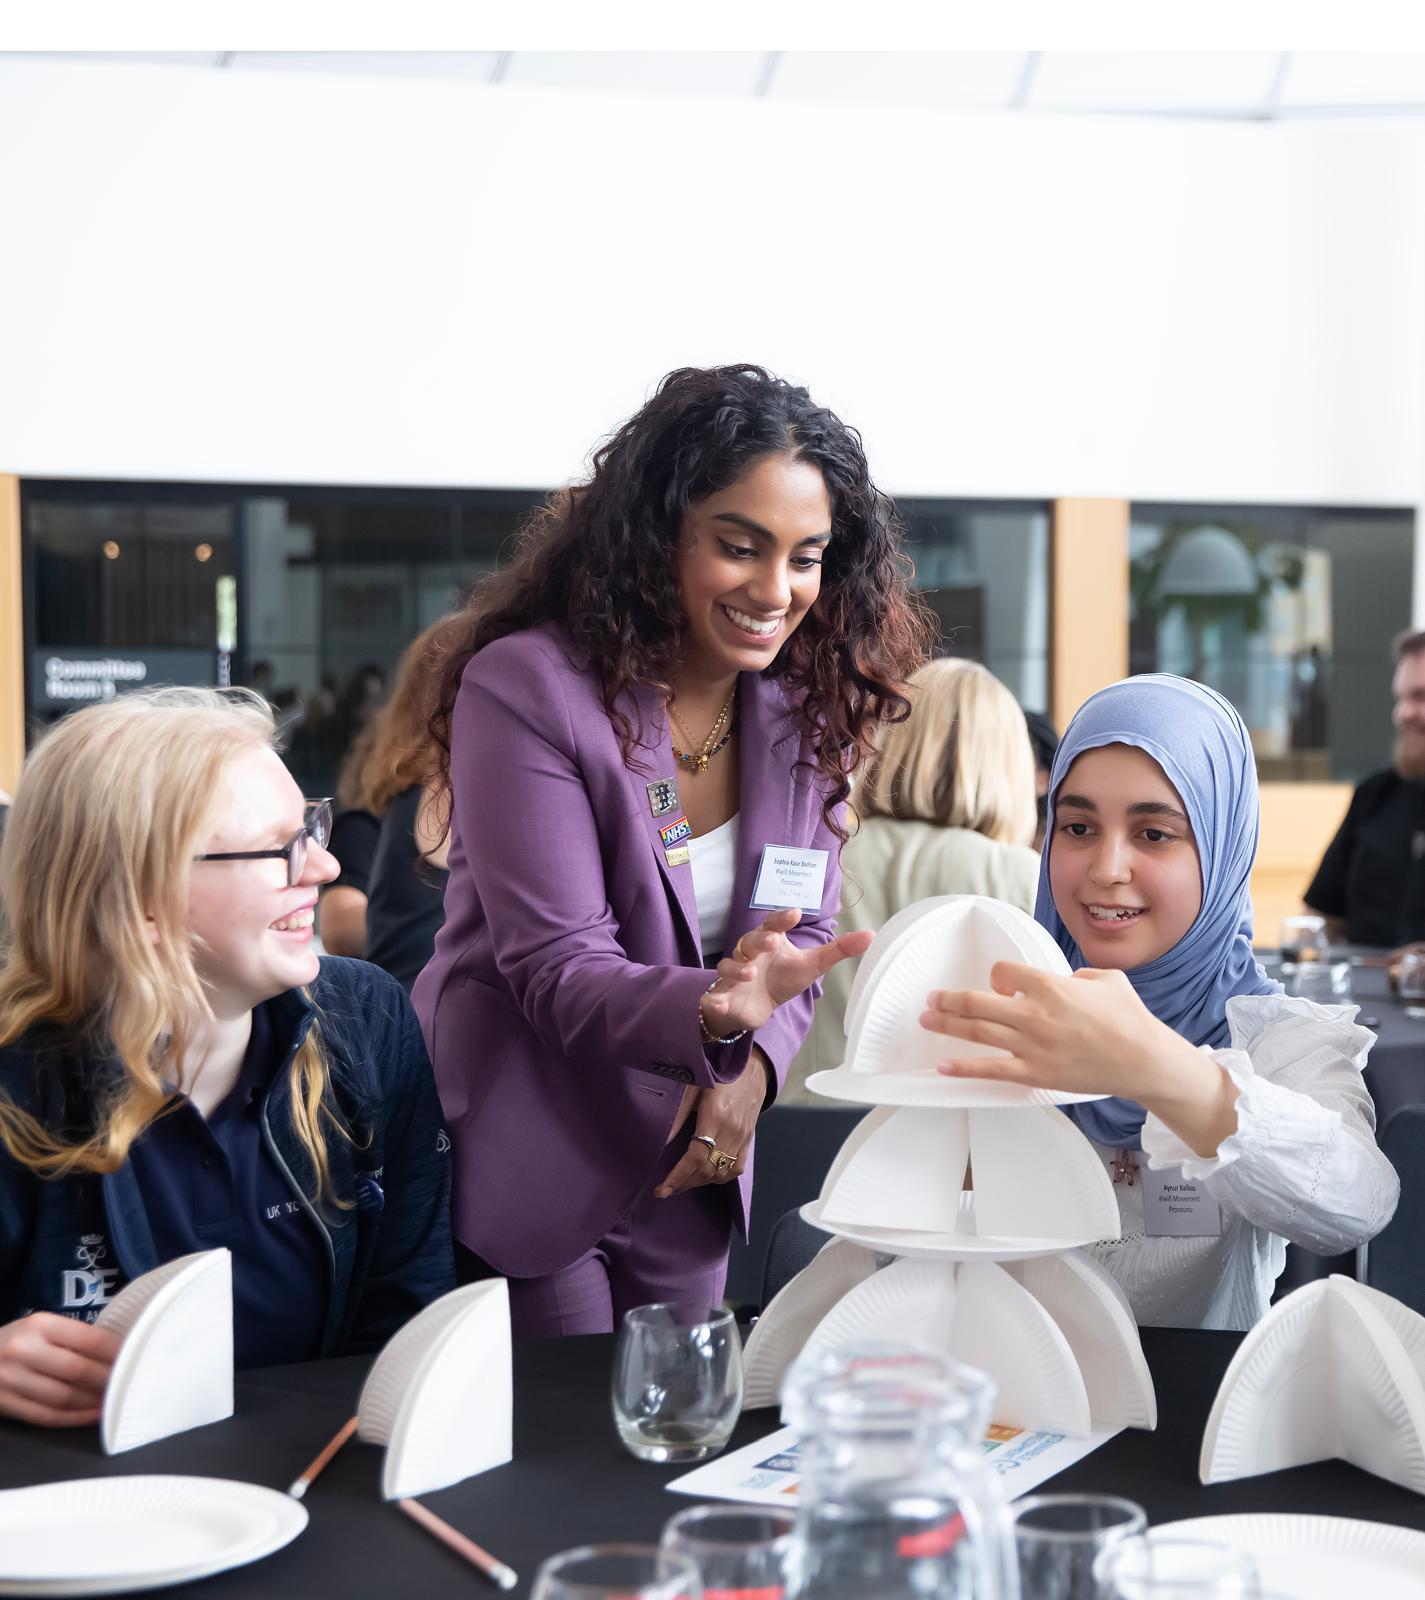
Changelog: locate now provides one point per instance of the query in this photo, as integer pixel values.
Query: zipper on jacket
(307, 1205)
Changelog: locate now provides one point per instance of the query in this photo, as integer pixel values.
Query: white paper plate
(955, 945)
(1036, 1176)
(1093, 1314)
(944, 911)
(440, 1395)
(116, 1535)
(174, 1369)
(1319, 1558)
(912, 1301)
(1321, 1376)
(792, 1315)
(929, 1089)
(852, 1144)
(1002, 1330)
(906, 1169)
(962, 1245)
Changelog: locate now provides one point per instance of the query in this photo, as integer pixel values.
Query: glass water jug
(897, 1501)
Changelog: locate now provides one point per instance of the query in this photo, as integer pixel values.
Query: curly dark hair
(599, 558)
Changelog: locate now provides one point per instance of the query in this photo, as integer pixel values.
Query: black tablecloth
(1395, 1070)
(1395, 1076)
(572, 1482)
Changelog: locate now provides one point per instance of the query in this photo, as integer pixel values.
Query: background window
(984, 570)
(1289, 613)
(311, 595)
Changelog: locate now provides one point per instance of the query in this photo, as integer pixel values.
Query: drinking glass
(1304, 939)
(740, 1553)
(1411, 984)
(1328, 983)
(1059, 1537)
(617, 1572)
(1149, 1568)
(677, 1386)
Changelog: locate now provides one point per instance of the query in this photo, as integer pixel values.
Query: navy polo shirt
(212, 1182)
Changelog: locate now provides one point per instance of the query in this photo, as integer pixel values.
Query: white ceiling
(1171, 83)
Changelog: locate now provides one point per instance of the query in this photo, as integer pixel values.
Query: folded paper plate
(440, 1395)
(977, 1313)
(174, 1370)
(963, 1243)
(1093, 1314)
(949, 942)
(1035, 1175)
(1335, 1370)
(792, 1316)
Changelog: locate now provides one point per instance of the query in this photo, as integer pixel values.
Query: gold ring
(720, 1159)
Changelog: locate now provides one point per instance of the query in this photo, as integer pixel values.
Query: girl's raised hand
(1084, 1034)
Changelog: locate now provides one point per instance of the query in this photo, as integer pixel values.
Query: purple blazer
(560, 1007)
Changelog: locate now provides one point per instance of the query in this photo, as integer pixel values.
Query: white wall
(292, 278)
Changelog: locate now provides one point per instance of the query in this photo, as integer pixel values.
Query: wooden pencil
(300, 1485)
(494, 1569)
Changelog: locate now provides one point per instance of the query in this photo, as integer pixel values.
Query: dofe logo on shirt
(88, 1286)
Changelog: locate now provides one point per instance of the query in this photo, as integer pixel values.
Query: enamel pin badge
(663, 796)
(675, 832)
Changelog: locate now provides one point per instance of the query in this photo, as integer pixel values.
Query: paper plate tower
(993, 1274)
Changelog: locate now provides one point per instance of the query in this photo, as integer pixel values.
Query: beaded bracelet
(709, 1037)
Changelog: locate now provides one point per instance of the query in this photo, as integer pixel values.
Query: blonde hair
(109, 813)
(962, 759)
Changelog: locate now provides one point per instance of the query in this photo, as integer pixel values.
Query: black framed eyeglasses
(317, 828)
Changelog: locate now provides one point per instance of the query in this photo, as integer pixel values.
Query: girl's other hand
(53, 1370)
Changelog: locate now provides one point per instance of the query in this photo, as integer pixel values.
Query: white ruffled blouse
(1302, 1165)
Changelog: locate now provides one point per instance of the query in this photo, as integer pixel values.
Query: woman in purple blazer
(647, 730)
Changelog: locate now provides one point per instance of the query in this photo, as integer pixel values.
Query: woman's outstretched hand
(766, 969)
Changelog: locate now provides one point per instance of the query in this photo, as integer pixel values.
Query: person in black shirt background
(401, 871)
(1370, 885)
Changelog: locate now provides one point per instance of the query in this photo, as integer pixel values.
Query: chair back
(793, 1244)
(1394, 1261)
(796, 1145)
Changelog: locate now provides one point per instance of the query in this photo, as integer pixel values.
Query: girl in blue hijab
(1144, 883)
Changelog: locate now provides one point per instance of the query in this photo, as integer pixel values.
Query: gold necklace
(697, 760)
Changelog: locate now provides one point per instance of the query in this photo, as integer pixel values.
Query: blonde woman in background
(946, 807)
(179, 1072)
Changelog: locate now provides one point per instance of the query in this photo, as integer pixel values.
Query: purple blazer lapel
(655, 766)
(768, 735)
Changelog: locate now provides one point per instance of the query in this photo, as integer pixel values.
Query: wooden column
(1088, 635)
(12, 637)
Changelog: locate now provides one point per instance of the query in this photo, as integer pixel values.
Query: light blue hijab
(1201, 744)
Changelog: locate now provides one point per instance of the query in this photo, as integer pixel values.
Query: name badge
(1174, 1207)
(789, 879)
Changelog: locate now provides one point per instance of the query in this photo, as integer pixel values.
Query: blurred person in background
(180, 1072)
(1370, 885)
(406, 903)
(1044, 737)
(341, 911)
(946, 806)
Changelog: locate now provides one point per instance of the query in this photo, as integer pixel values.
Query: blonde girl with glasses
(179, 1070)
